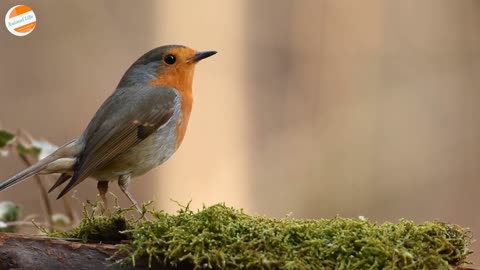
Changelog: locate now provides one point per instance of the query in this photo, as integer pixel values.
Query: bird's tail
(59, 161)
(23, 175)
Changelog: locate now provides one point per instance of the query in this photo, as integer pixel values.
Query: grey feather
(114, 128)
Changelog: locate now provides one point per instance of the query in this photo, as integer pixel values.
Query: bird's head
(170, 65)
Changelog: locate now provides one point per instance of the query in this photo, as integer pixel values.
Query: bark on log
(18, 251)
(28, 252)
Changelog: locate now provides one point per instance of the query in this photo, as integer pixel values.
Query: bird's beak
(201, 55)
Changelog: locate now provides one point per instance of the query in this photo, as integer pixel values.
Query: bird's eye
(170, 59)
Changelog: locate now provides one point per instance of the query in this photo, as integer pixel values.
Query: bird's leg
(102, 187)
(123, 182)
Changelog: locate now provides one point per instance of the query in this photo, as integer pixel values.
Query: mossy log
(19, 251)
(220, 237)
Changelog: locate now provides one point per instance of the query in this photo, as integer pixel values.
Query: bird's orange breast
(182, 123)
(180, 79)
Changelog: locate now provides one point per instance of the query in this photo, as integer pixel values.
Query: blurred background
(313, 107)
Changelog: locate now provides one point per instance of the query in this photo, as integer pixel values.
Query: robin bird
(136, 129)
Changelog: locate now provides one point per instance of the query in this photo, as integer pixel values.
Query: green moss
(100, 227)
(219, 237)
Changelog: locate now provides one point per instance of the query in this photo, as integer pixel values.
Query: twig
(69, 211)
(43, 190)
(40, 226)
(43, 194)
(30, 217)
(25, 223)
(66, 203)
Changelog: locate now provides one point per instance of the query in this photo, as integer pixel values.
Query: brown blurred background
(315, 107)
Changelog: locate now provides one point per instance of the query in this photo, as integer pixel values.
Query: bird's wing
(126, 118)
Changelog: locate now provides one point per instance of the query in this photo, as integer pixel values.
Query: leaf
(9, 212)
(46, 148)
(3, 152)
(61, 220)
(5, 137)
(29, 150)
